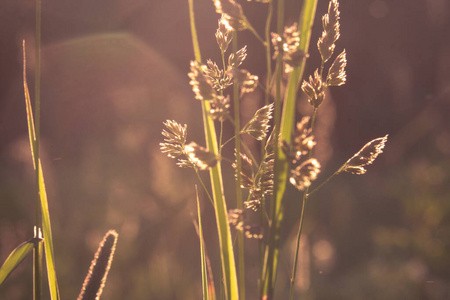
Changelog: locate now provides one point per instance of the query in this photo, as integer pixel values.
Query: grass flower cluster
(286, 152)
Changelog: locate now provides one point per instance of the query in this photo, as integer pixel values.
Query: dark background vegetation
(114, 70)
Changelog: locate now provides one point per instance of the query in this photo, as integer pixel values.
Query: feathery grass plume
(330, 34)
(201, 84)
(175, 144)
(175, 139)
(289, 44)
(263, 179)
(232, 12)
(314, 89)
(258, 126)
(200, 156)
(302, 141)
(219, 79)
(95, 280)
(304, 174)
(247, 82)
(336, 74)
(236, 59)
(365, 156)
(223, 34)
(220, 108)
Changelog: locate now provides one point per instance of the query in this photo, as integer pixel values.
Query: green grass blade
(220, 207)
(15, 258)
(48, 240)
(30, 121)
(46, 226)
(281, 171)
(202, 253)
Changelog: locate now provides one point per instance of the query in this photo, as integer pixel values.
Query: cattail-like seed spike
(95, 280)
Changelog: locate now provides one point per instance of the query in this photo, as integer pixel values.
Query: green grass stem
(239, 201)
(281, 165)
(226, 245)
(37, 253)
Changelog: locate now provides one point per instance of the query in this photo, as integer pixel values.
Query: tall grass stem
(220, 208)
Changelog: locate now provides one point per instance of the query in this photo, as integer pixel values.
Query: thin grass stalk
(202, 252)
(271, 255)
(37, 252)
(226, 246)
(266, 102)
(286, 127)
(239, 201)
(302, 217)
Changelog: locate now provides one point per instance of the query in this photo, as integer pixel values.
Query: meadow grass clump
(286, 152)
(42, 239)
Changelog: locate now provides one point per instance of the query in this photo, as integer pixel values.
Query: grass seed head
(220, 108)
(330, 34)
(336, 73)
(314, 89)
(258, 126)
(200, 156)
(304, 174)
(365, 156)
(175, 139)
(232, 12)
(201, 84)
(223, 34)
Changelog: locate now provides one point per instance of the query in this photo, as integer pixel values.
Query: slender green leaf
(220, 207)
(15, 258)
(48, 241)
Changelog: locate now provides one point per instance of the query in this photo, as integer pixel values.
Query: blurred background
(114, 70)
